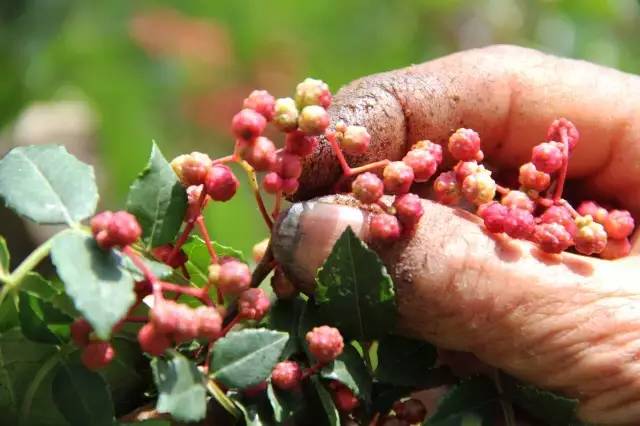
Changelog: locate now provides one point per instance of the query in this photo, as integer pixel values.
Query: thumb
(563, 322)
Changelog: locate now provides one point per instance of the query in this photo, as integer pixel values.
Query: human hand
(564, 322)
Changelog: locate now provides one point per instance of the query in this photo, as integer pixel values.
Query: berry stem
(276, 207)
(230, 325)
(146, 271)
(199, 293)
(312, 370)
(502, 190)
(253, 182)
(226, 159)
(331, 138)
(190, 223)
(565, 164)
(368, 167)
(207, 239)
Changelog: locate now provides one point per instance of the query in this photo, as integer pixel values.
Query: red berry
(354, 140)
(313, 120)
(344, 399)
(299, 144)
(552, 237)
(142, 289)
(97, 355)
(392, 421)
(262, 102)
(616, 249)
(531, 178)
(261, 154)
(253, 304)
(593, 209)
(554, 134)
(619, 224)
(191, 169)
(518, 199)
(325, 343)
(152, 341)
(272, 183)
(433, 148)
(80, 330)
(221, 184)
(446, 188)
(479, 188)
(290, 186)
(519, 223)
(398, 177)
(384, 227)
(282, 286)
(285, 115)
(313, 92)
(255, 390)
(494, 216)
(591, 237)
(411, 410)
(163, 254)
(409, 209)
(209, 322)
(547, 157)
(187, 326)
(287, 165)
(464, 144)
(286, 375)
(465, 168)
(234, 278)
(559, 214)
(248, 124)
(165, 316)
(115, 229)
(367, 188)
(422, 162)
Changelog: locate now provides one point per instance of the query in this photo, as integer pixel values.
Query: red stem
(229, 326)
(199, 293)
(263, 210)
(331, 137)
(190, 223)
(565, 164)
(148, 274)
(502, 190)
(313, 370)
(207, 240)
(367, 167)
(276, 207)
(226, 159)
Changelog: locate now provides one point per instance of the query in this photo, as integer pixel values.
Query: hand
(567, 323)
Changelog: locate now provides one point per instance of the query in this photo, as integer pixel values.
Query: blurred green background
(108, 77)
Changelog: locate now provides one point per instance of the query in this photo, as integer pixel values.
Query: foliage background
(108, 77)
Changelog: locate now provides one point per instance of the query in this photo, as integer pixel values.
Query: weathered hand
(568, 322)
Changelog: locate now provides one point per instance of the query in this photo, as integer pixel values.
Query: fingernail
(305, 234)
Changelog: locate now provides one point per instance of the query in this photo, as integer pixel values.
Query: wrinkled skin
(567, 322)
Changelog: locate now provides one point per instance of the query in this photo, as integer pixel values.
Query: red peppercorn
(384, 227)
(616, 249)
(411, 410)
(286, 114)
(282, 286)
(97, 355)
(272, 183)
(446, 188)
(299, 144)
(313, 92)
(547, 157)
(290, 186)
(221, 184)
(287, 165)
(409, 209)
(152, 341)
(353, 140)
(619, 224)
(165, 316)
(367, 187)
(433, 148)
(262, 102)
(80, 331)
(559, 214)
(345, 400)
(398, 177)
(591, 237)
(494, 216)
(253, 304)
(552, 237)
(191, 169)
(519, 223)
(554, 134)
(164, 254)
(518, 199)
(531, 178)
(466, 168)
(464, 144)
(286, 375)
(313, 120)
(422, 162)
(209, 322)
(115, 229)
(260, 154)
(325, 343)
(593, 209)
(479, 188)
(234, 277)
(248, 124)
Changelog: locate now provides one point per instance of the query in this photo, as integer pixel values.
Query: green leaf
(333, 417)
(82, 396)
(198, 259)
(34, 284)
(101, 291)
(546, 406)
(246, 358)
(25, 382)
(405, 362)
(354, 291)
(285, 315)
(36, 319)
(350, 370)
(158, 201)
(471, 399)
(284, 404)
(254, 411)
(160, 270)
(5, 257)
(181, 388)
(46, 184)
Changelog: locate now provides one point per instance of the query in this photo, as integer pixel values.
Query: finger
(509, 95)
(563, 322)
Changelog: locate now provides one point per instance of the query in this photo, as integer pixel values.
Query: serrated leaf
(405, 362)
(245, 358)
(5, 257)
(25, 382)
(181, 388)
(198, 259)
(48, 185)
(333, 417)
(350, 370)
(36, 319)
(354, 292)
(546, 406)
(158, 201)
(100, 289)
(470, 399)
(82, 396)
(285, 315)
